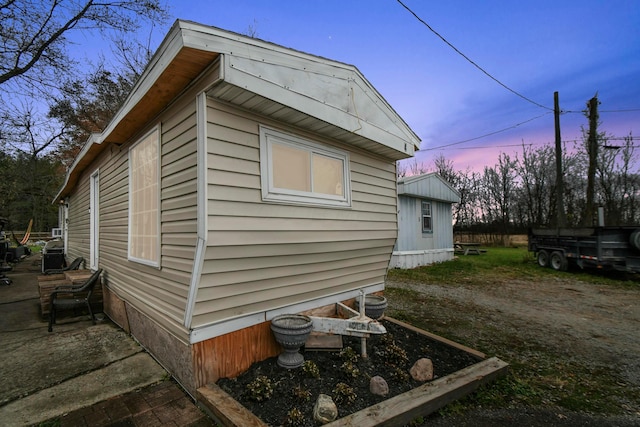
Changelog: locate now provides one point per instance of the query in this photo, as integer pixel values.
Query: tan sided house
(240, 180)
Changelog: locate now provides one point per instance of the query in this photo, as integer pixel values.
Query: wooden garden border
(396, 411)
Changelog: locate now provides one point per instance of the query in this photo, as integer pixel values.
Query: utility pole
(561, 217)
(592, 151)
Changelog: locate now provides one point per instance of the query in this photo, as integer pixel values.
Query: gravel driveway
(592, 324)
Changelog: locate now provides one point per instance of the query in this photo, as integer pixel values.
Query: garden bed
(344, 376)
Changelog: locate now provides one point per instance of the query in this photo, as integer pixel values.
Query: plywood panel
(219, 357)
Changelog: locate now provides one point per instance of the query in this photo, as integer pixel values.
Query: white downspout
(201, 242)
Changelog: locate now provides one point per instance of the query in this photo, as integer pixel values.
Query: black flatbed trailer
(608, 248)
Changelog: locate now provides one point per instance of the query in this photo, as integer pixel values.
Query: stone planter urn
(374, 306)
(291, 332)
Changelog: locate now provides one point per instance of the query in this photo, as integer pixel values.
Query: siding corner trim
(201, 244)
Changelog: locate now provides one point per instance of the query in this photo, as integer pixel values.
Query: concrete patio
(85, 374)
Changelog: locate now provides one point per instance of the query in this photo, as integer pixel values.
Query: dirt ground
(593, 324)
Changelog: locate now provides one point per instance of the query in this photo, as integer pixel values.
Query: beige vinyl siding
(161, 293)
(78, 239)
(263, 256)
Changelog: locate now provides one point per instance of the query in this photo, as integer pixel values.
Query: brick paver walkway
(163, 404)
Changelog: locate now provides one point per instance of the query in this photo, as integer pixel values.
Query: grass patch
(501, 264)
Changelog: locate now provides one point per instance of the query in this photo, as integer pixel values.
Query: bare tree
(615, 183)
(33, 33)
(536, 172)
(410, 167)
(36, 66)
(499, 184)
(465, 182)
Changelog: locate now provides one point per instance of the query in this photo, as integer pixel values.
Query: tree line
(52, 98)
(519, 191)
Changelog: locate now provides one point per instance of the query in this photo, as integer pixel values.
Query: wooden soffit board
(182, 70)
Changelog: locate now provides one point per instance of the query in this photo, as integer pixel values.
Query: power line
(620, 111)
(530, 144)
(471, 61)
(488, 134)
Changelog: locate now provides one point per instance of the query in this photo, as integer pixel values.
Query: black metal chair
(73, 266)
(72, 297)
(4, 253)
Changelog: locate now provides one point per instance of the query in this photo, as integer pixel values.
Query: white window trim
(422, 215)
(152, 263)
(279, 195)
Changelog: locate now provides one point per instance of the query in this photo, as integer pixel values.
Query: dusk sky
(578, 48)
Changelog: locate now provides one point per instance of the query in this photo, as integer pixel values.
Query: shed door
(94, 215)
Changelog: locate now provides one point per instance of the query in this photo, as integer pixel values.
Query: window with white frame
(144, 200)
(296, 170)
(427, 226)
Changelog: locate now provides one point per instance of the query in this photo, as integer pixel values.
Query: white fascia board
(94, 138)
(316, 108)
(249, 58)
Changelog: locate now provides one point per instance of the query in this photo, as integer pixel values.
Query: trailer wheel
(543, 258)
(558, 261)
(635, 239)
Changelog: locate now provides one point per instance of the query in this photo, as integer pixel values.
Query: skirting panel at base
(413, 259)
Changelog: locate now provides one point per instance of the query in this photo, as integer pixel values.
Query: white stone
(422, 370)
(325, 410)
(378, 386)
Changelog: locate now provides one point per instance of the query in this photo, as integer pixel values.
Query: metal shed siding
(262, 256)
(410, 235)
(431, 186)
(442, 225)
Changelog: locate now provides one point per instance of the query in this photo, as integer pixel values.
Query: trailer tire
(558, 261)
(635, 239)
(543, 258)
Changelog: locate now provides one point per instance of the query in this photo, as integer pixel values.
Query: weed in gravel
(301, 394)
(344, 394)
(310, 369)
(350, 369)
(348, 354)
(260, 389)
(294, 418)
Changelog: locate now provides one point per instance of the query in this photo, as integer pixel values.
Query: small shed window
(427, 226)
(144, 200)
(295, 170)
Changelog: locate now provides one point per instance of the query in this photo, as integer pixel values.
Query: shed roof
(311, 92)
(428, 186)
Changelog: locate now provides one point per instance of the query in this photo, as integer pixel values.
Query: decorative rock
(378, 386)
(325, 410)
(422, 370)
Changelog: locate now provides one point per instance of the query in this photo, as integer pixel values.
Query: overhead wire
(529, 144)
(497, 81)
(488, 134)
(470, 60)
